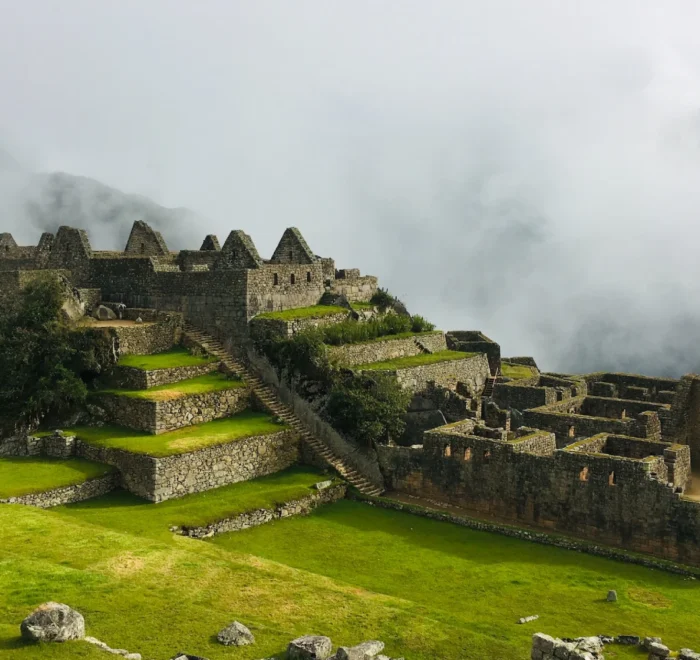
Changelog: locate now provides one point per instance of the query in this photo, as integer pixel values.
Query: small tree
(35, 356)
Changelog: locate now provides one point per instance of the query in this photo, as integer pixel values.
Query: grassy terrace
(363, 305)
(415, 360)
(399, 335)
(516, 371)
(428, 589)
(314, 312)
(177, 357)
(213, 382)
(23, 476)
(119, 509)
(243, 425)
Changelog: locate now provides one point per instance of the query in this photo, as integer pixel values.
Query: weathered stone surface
(187, 656)
(68, 494)
(630, 640)
(235, 634)
(650, 640)
(103, 313)
(53, 622)
(310, 647)
(527, 619)
(687, 654)
(612, 596)
(122, 652)
(658, 651)
(322, 485)
(362, 651)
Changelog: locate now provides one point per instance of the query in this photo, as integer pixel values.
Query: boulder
(648, 641)
(361, 651)
(187, 656)
(687, 654)
(658, 651)
(53, 622)
(103, 313)
(589, 644)
(612, 596)
(236, 634)
(310, 647)
(543, 643)
(631, 640)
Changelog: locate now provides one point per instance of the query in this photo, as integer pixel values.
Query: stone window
(292, 279)
(448, 451)
(275, 279)
(308, 275)
(143, 248)
(583, 475)
(467, 454)
(234, 255)
(487, 455)
(612, 479)
(291, 255)
(572, 432)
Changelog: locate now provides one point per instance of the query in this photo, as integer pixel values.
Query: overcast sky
(527, 168)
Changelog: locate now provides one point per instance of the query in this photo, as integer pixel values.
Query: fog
(529, 169)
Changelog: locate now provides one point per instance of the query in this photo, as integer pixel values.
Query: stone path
(269, 397)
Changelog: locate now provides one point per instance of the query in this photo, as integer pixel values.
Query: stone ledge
(298, 507)
(131, 378)
(68, 494)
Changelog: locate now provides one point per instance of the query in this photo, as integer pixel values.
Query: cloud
(528, 169)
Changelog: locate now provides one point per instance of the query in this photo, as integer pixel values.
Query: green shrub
(420, 324)
(382, 299)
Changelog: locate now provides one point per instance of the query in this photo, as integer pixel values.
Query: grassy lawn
(415, 360)
(243, 425)
(176, 357)
(120, 510)
(213, 382)
(516, 371)
(314, 312)
(22, 476)
(428, 589)
(363, 305)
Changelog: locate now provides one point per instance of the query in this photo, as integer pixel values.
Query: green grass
(363, 305)
(22, 476)
(242, 425)
(516, 371)
(314, 312)
(415, 360)
(428, 589)
(121, 510)
(213, 382)
(176, 357)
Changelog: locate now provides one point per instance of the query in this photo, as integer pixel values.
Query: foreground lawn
(22, 476)
(242, 425)
(176, 357)
(516, 371)
(313, 312)
(121, 510)
(415, 360)
(213, 382)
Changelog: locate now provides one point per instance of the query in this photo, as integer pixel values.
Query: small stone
(527, 619)
(360, 652)
(140, 320)
(310, 647)
(236, 634)
(103, 313)
(322, 485)
(53, 622)
(612, 596)
(630, 640)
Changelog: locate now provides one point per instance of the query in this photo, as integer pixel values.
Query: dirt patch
(126, 564)
(648, 597)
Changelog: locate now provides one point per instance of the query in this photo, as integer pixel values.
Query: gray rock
(657, 650)
(186, 656)
(360, 652)
(648, 641)
(139, 320)
(103, 313)
(527, 619)
(322, 485)
(612, 596)
(236, 634)
(543, 643)
(53, 622)
(310, 647)
(588, 644)
(630, 640)
(687, 654)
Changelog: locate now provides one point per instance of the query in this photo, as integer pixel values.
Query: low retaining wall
(131, 378)
(300, 507)
(146, 339)
(472, 371)
(386, 348)
(68, 494)
(163, 478)
(161, 416)
(264, 328)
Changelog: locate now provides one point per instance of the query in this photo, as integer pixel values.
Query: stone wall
(472, 372)
(511, 395)
(161, 416)
(131, 378)
(277, 287)
(474, 341)
(68, 494)
(355, 289)
(386, 348)
(149, 338)
(614, 500)
(299, 507)
(264, 328)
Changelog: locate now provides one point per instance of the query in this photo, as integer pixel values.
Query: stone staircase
(488, 388)
(269, 397)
